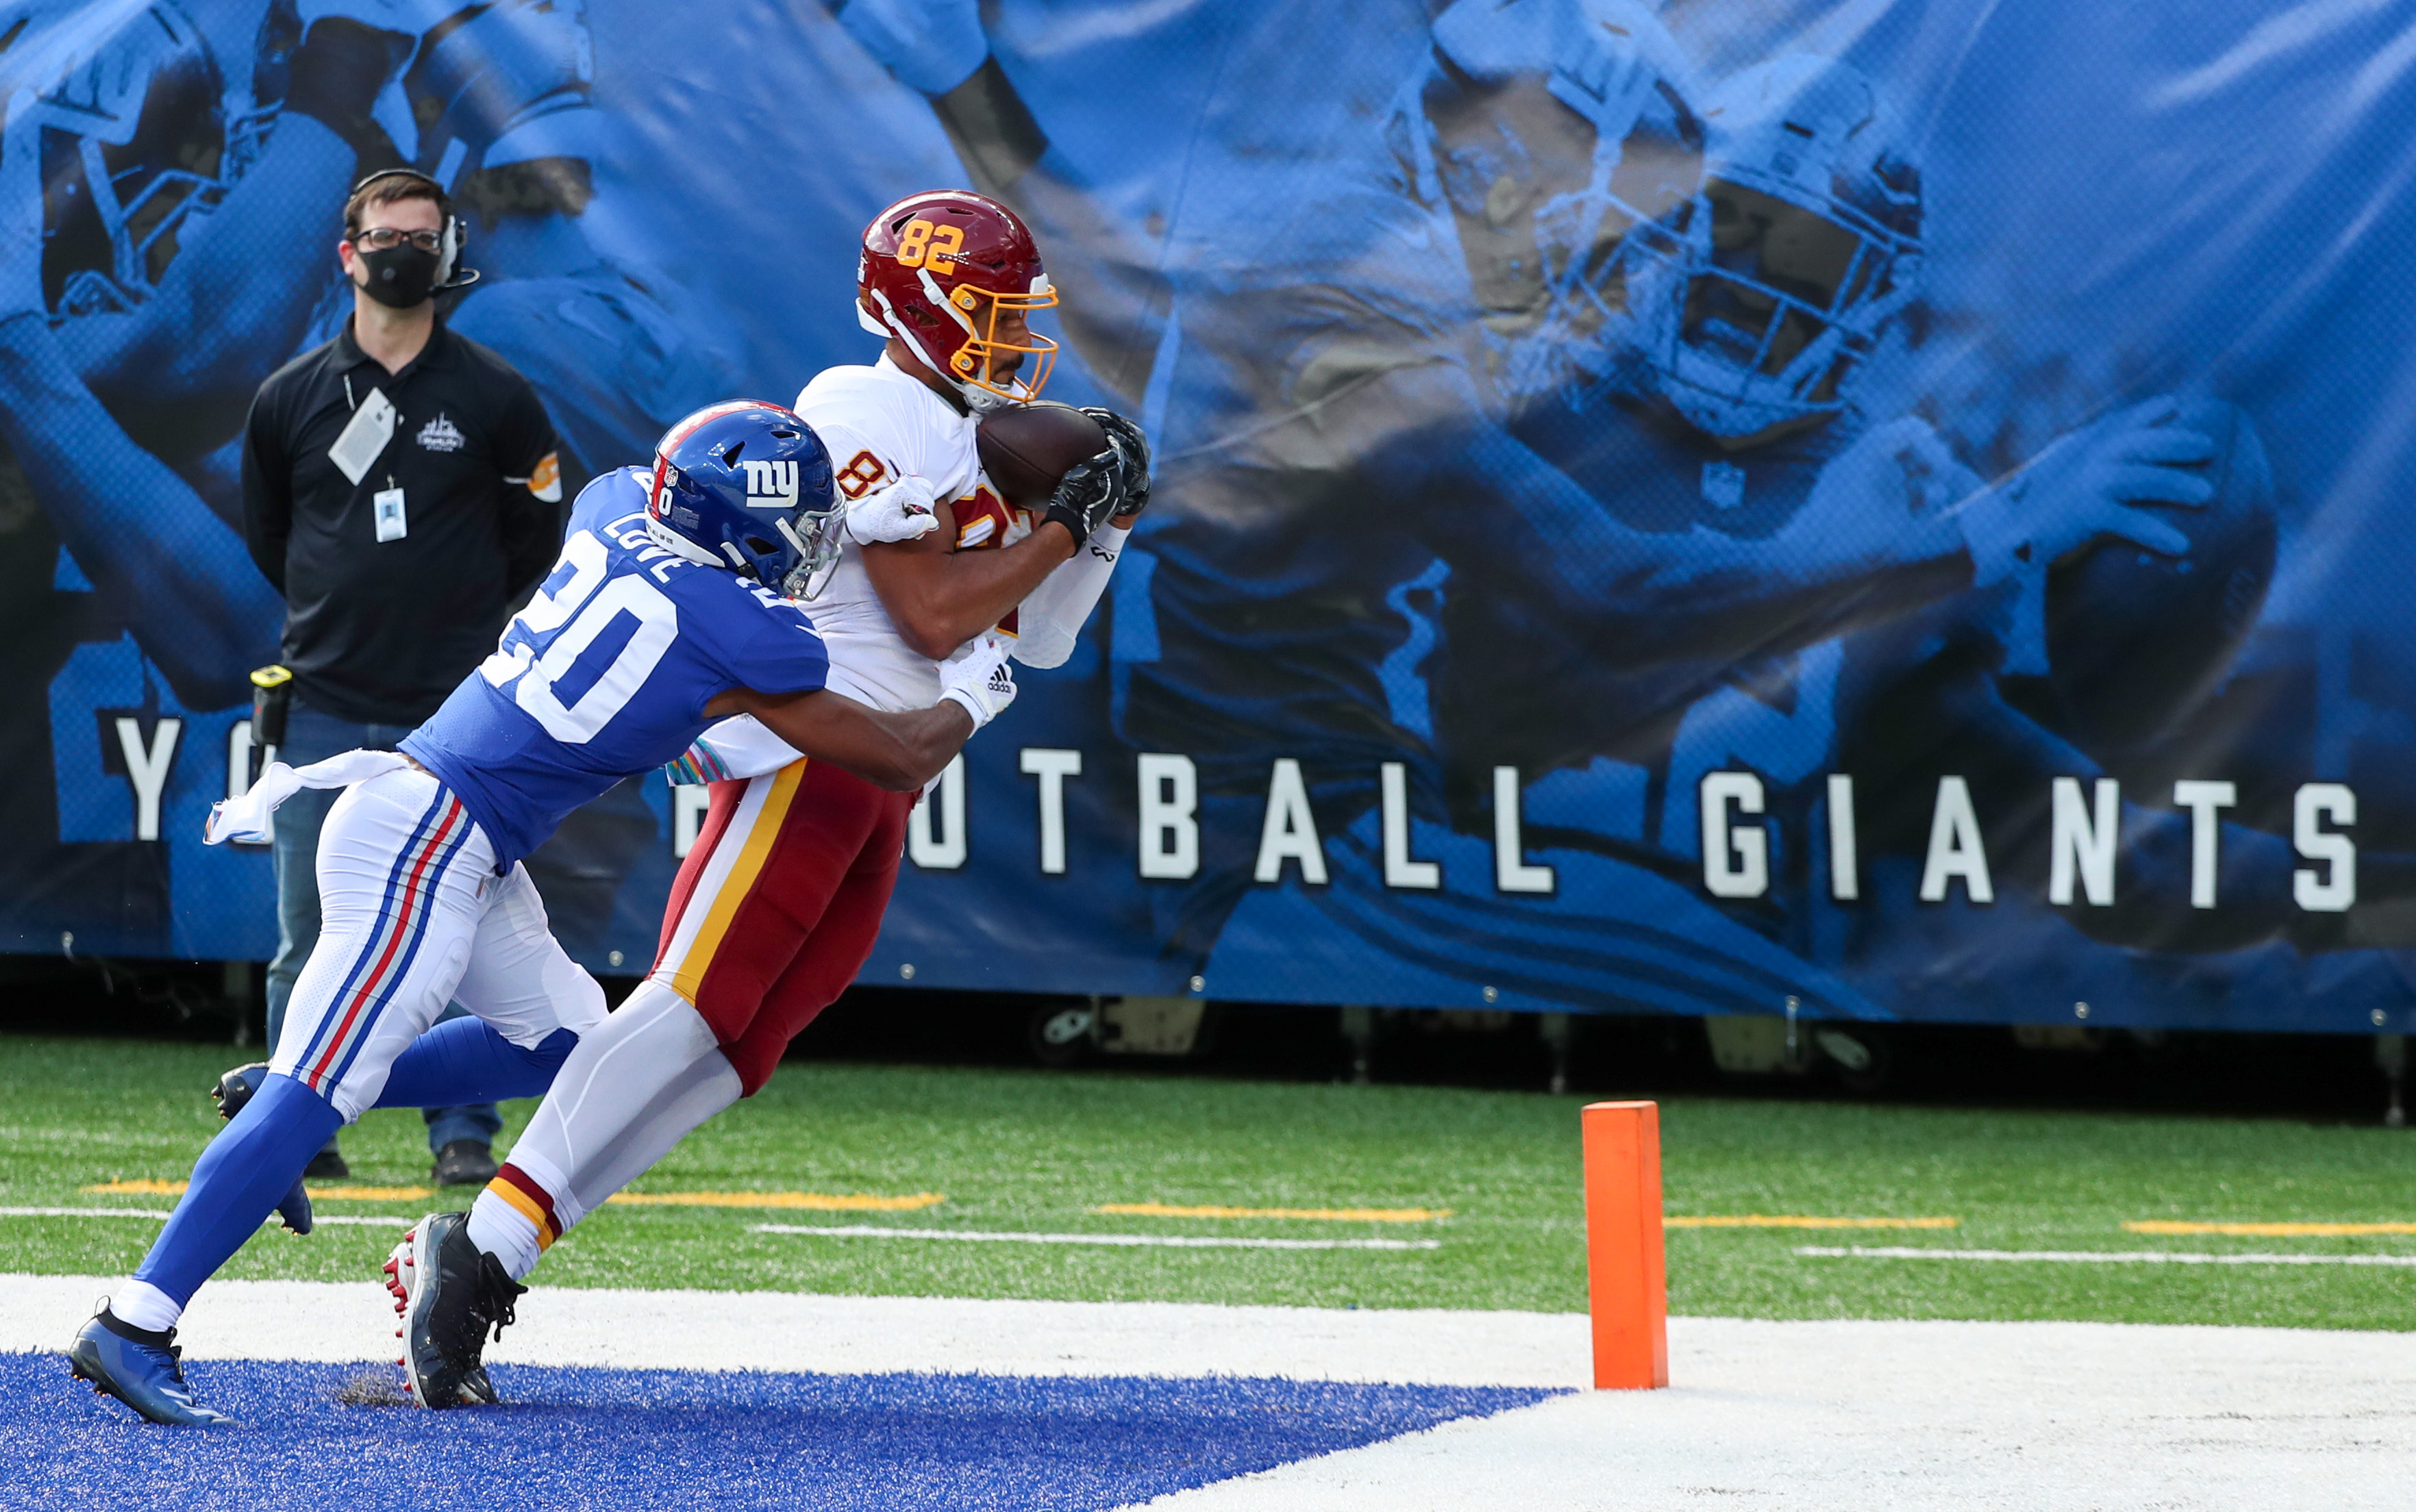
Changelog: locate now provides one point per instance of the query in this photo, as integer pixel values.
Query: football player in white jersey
(778, 904)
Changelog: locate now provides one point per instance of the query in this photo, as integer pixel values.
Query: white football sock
(145, 1306)
(630, 1091)
(505, 1232)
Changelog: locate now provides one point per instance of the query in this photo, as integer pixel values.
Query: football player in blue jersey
(664, 614)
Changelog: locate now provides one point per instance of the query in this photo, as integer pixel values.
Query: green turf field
(1032, 1151)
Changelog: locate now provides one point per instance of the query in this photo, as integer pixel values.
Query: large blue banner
(1877, 510)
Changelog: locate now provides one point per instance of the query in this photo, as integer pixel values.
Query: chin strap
(680, 546)
(977, 399)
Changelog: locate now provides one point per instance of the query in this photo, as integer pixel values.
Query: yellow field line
(816, 1201)
(1760, 1220)
(858, 1201)
(1321, 1215)
(147, 1188)
(2266, 1231)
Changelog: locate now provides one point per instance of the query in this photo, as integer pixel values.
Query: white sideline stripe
(160, 1215)
(367, 1220)
(627, 1329)
(1154, 1241)
(2090, 1257)
(1857, 1416)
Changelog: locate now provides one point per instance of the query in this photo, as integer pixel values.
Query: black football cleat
(233, 1091)
(236, 1087)
(449, 1294)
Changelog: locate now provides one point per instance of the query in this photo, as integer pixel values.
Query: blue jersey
(607, 672)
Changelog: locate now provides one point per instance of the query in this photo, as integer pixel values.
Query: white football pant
(412, 916)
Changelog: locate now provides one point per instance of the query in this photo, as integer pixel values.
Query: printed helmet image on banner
(1806, 245)
(509, 83)
(1552, 129)
(139, 141)
(942, 272)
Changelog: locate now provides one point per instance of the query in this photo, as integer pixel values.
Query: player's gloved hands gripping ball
(1089, 492)
(901, 512)
(978, 680)
(1132, 449)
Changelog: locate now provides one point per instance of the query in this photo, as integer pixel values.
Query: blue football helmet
(747, 485)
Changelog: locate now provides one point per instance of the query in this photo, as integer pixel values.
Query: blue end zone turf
(577, 1437)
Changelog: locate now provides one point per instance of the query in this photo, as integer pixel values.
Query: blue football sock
(465, 1060)
(238, 1182)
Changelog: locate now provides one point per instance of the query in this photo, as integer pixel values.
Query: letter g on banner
(1736, 858)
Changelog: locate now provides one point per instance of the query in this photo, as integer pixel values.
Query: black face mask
(400, 275)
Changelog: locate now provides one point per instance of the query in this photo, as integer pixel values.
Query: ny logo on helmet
(771, 485)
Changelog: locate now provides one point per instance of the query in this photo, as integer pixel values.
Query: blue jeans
(313, 736)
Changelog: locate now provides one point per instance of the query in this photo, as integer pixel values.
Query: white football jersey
(881, 424)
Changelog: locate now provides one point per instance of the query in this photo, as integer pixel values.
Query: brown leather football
(1025, 448)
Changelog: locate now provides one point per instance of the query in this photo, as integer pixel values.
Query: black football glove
(1133, 446)
(1090, 491)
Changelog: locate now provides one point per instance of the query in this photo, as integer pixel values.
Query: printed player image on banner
(1878, 511)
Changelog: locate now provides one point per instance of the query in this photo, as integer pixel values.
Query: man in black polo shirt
(400, 489)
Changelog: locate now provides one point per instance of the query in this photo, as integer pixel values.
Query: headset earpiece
(448, 256)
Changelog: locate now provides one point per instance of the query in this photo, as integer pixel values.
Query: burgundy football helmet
(942, 272)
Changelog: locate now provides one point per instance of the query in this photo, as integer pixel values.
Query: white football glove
(901, 512)
(977, 679)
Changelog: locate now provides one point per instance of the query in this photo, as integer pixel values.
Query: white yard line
(2089, 1257)
(842, 1231)
(159, 1215)
(1166, 1241)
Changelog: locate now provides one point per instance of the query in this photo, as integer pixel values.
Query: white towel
(246, 818)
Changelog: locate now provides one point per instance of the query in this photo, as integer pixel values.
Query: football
(1025, 448)
(2121, 619)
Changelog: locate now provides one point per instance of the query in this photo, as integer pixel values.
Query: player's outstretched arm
(893, 752)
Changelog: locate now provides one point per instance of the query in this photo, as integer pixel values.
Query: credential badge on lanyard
(365, 435)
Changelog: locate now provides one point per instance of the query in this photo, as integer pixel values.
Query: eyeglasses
(378, 238)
